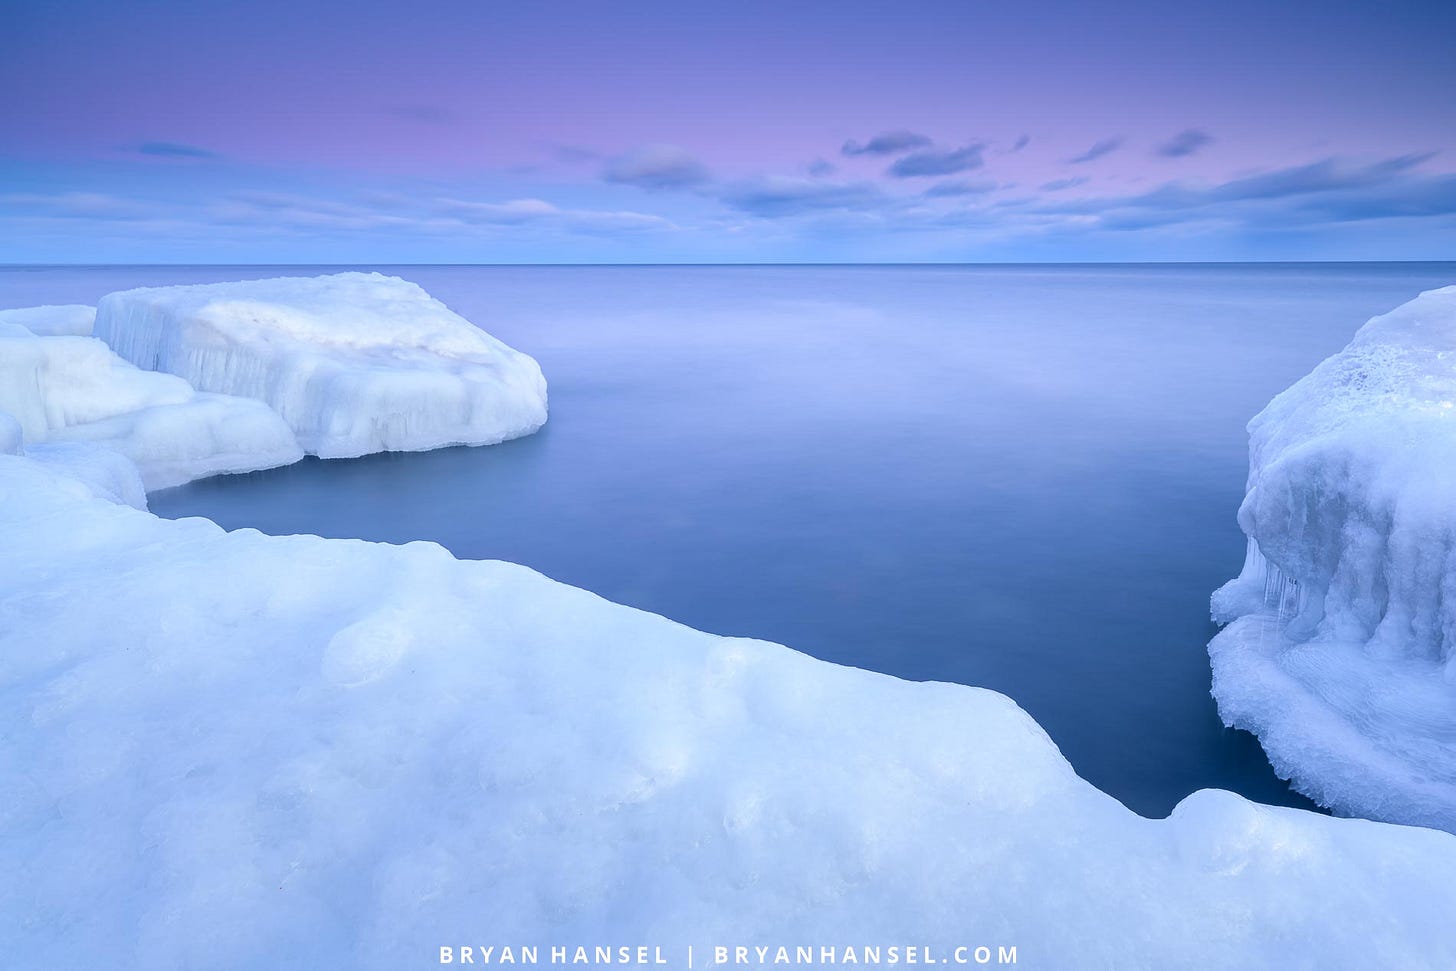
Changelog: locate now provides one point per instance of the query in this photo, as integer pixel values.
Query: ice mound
(355, 362)
(76, 389)
(243, 751)
(63, 320)
(1339, 654)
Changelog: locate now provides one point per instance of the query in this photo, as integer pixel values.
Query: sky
(557, 131)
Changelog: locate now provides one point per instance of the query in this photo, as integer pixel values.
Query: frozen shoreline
(291, 749)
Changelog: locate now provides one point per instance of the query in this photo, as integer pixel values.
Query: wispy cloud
(781, 195)
(1327, 191)
(75, 205)
(887, 143)
(1105, 147)
(656, 167)
(1184, 143)
(961, 187)
(176, 150)
(935, 161)
(1057, 185)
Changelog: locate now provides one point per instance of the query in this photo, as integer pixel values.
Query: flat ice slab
(1340, 653)
(75, 389)
(354, 362)
(57, 320)
(243, 751)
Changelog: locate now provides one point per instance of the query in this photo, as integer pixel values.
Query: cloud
(820, 168)
(173, 150)
(961, 187)
(1021, 143)
(75, 205)
(1303, 196)
(1184, 143)
(781, 195)
(656, 167)
(938, 162)
(439, 216)
(1057, 185)
(1099, 149)
(887, 143)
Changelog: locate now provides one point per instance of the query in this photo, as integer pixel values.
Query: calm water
(1017, 477)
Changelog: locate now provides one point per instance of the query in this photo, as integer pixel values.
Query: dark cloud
(936, 161)
(1184, 143)
(820, 168)
(887, 143)
(1105, 147)
(960, 187)
(773, 196)
(173, 150)
(1301, 196)
(1057, 185)
(656, 167)
(1021, 143)
(1327, 175)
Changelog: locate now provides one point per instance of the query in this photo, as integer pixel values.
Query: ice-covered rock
(12, 436)
(355, 362)
(230, 750)
(60, 320)
(1341, 651)
(76, 389)
(106, 473)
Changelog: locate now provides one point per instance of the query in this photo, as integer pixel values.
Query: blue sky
(218, 131)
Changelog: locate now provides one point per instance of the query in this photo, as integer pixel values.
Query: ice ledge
(354, 362)
(1339, 650)
(293, 752)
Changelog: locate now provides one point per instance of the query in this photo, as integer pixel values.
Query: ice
(64, 320)
(12, 437)
(1339, 654)
(104, 472)
(355, 362)
(230, 750)
(76, 389)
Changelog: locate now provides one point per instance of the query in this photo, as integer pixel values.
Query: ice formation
(1340, 652)
(63, 320)
(231, 750)
(76, 389)
(355, 362)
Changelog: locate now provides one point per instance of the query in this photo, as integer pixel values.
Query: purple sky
(684, 131)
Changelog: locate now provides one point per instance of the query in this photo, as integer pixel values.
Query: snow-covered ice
(75, 389)
(355, 362)
(230, 750)
(1341, 651)
(60, 320)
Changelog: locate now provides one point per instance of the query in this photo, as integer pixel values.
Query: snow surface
(76, 389)
(355, 362)
(62, 320)
(230, 750)
(1340, 653)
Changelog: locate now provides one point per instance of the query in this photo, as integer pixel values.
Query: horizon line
(773, 263)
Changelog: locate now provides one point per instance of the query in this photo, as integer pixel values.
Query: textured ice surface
(1339, 654)
(355, 362)
(230, 750)
(63, 320)
(106, 473)
(12, 437)
(76, 389)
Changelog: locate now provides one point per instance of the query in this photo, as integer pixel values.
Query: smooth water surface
(1018, 477)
